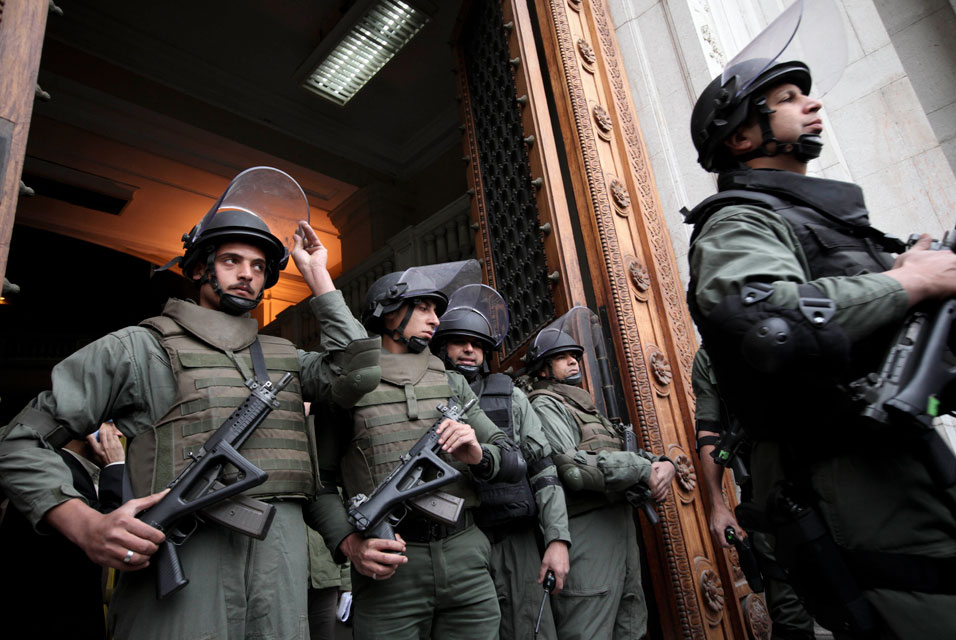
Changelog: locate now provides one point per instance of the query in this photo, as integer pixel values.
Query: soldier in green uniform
(796, 296)
(170, 382)
(790, 619)
(438, 585)
(520, 517)
(602, 597)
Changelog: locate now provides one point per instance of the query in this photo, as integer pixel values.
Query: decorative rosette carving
(603, 121)
(758, 617)
(711, 591)
(640, 276)
(686, 475)
(620, 196)
(661, 368)
(588, 57)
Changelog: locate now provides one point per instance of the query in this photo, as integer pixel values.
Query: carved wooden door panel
(566, 212)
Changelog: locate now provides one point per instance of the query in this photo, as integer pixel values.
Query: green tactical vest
(597, 435)
(209, 354)
(392, 418)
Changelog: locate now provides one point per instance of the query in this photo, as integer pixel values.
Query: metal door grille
(517, 247)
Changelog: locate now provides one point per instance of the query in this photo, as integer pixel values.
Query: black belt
(415, 527)
(497, 533)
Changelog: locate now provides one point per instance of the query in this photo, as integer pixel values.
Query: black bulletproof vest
(500, 501)
(832, 225)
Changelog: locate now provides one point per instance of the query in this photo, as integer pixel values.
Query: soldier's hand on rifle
(925, 274)
(660, 482)
(720, 518)
(311, 259)
(118, 540)
(459, 440)
(376, 558)
(556, 560)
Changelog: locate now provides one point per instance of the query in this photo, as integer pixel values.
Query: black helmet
(390, 292)
(723, 107)
(549, 343)
(239, 215)
(234, 226)
(476, 312)
(810, 34)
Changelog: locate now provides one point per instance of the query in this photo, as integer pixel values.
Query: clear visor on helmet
(487, 303)
(271, 195)
(809, 31)
(443, 278)
(584, 328)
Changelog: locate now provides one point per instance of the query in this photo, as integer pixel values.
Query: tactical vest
(209, 354)
(597, 435)
(393, 417)
(500, 501)
(831, 224)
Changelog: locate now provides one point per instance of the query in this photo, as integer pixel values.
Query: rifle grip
(169, 571)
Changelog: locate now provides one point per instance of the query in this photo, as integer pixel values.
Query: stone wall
(890, 121)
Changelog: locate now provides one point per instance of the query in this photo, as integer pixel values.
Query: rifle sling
(259, 362)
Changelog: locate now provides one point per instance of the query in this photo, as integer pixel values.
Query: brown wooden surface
(635, 278)
(21, 40)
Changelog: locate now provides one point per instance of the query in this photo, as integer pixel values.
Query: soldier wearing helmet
(168, 384)
(519, 518)
(438, 584)
(596, 469)
(796, 295)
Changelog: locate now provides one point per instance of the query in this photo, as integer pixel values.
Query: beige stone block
(880, 128)
(927, 49)
(906, 197)
(866, 28)
(898, 15)
(866, 75)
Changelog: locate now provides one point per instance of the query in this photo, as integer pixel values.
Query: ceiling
(164, 102)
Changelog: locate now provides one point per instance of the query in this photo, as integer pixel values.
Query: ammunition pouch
(358, 369)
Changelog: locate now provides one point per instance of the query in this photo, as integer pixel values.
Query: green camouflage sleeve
(741, 244)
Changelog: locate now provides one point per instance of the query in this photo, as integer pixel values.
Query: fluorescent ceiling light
(373, 40)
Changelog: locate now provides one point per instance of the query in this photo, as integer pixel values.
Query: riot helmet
(549, 343)
(809, 36)
(476, 312)
(433, 282)
(262, 207)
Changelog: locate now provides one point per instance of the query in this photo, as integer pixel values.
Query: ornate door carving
(566, 212)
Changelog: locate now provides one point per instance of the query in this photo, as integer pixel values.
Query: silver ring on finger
(128, 557)
(374, 576)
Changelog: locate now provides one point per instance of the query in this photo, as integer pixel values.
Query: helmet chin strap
(414, 344)
(806, 148)
(228, 303)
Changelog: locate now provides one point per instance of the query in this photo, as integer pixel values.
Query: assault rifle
(200, 484)
(414, 482)
(914, 384)
(638, 495)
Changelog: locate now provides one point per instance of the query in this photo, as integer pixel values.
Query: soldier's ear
(738, 142)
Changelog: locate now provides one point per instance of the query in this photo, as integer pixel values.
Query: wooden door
(566, 212)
